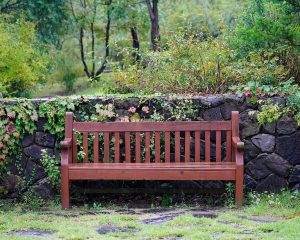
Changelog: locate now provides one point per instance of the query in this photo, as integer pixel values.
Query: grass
(79, 223)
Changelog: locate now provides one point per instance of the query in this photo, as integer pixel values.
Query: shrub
(23, 63)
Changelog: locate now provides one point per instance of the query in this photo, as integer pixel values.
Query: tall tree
(153, 13)
(50, 17)
(85, 14)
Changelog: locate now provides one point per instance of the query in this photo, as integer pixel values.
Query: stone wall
(272, 153)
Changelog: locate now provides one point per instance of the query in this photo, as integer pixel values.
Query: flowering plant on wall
(15, 121)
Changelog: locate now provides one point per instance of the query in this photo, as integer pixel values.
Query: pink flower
(247, 93)
(132, 109)
(16, 135)
(6, 137)
(145, 109)
(258, 90)
(2, 157)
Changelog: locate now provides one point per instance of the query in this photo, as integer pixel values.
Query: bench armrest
(238, 150)
(66, 150)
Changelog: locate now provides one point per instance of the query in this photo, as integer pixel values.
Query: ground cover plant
(266, 216)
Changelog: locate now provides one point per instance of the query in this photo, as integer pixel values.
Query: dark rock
(213, 185)
(18, 164)
(289, 147)
(186, 185)
(272, 183)
(212, 114)
(10, 182)
(269, 128)
(279, 100)
(286, 125)
(250, 183)
(257, 168)
(264, 142)
(27, 140)
(44, 139)
(122, 112)
(40, 124)
(211, 101)
(278, 165)
(32, 233)
(33, 172)
(249, 125)
(114, 229)
(159, 220)
(205, 215)
(251, 151)
(43, 189)
(34, 152)
(126, 103)
(295, 175)
(296, 187)
(226, 110)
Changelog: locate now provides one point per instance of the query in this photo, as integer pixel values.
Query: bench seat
(152, 171)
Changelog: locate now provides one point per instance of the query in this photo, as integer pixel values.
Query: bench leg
(239, 183)
(65, 188)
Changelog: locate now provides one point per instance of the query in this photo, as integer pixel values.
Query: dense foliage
(22, 62)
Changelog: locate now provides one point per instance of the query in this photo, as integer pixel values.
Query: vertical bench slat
(74, 148)
(157, 147)
(218, 146)
(117, 147)
(207, 146)
(187, 146)
(167, 147)
(228, 146)
(177, 146)
(147, 147)
(106, 147)
(85, 147)
(127, 147)
(137, 147)
(197, 146)
(96, 147)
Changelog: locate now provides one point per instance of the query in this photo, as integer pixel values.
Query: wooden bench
(153, 151)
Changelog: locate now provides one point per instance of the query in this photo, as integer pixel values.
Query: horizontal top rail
(151, 126)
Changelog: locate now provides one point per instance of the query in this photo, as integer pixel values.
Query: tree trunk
(135, 45)
(153, 13)
(86, 69)
(107, 35)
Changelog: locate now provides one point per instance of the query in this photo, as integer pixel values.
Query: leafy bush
(51, 165)
(187, 66)
(23, 63)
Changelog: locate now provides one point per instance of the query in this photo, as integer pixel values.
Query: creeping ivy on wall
(15, 121)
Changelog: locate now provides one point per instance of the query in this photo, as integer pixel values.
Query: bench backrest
(153, 141)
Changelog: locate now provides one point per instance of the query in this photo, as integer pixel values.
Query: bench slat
(157, 147)
(167, 147)
(117, 147)
(228, 146)
(106, 147)
(197, 146)
(151, 126)
(74, 148)
(85, 147)
(147, 147)
(187, 146)
(177, 146)
(207, 146)
(96, 147)
(127, 147)
(137, 147)
(218, 146)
